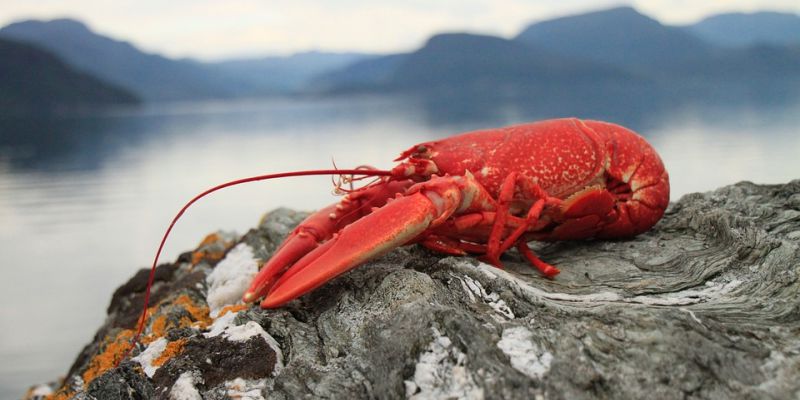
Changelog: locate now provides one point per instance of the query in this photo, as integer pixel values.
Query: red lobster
(476, 193)
(480, 193)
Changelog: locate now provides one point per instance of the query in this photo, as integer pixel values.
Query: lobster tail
(636, 176)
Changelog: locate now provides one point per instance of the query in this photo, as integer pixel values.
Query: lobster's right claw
(386, 228)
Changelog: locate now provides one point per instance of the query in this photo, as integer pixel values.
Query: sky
(210, 30)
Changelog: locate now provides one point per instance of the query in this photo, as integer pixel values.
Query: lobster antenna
(143, 318)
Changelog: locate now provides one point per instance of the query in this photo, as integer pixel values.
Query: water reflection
(84, 200)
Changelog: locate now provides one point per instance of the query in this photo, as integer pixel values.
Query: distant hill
(291, 73)
(150, 76)
(608, 53)
(741, 30)
(465, 61)
(370, 74)
(754, 63)
(621, 36)
(35, 81)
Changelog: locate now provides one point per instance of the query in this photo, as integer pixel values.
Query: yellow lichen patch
(210, 249)
(209, 255)
(210, 239)
(115, 349)
(63, 393)
(158, 328)
(161, 325)
(173, 349)
(200, 314)
(234, 308)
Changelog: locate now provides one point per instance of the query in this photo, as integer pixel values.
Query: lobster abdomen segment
(636, 176)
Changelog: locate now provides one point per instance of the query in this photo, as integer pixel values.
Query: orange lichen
(114, 350)
(63, 393)
(173, 349)
(200, 314)
(209, 239)
(209, 255)
(207, 251)
(234, 308)
(161, 325)
(158, 327)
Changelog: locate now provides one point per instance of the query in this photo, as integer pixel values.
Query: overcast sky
(216, 29)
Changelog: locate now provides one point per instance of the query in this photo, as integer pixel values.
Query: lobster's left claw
(292, 249)
(386, 228)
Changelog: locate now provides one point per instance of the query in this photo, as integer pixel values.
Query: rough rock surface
(703, 306)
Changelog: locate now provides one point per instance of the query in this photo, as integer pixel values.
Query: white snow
(184, 388)
(152, 352)
(441, 373)
(231, 278)
(245, 389)
(224, 326)
(41, 391)
(220, 324)
(525, 355)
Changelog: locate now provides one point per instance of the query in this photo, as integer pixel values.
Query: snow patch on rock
(525, 355)
(221, 324)
(43, 390)
(152, 352)
(441, 372)
(245, 389)
(185, 387)
(226, 327)
(231, 278)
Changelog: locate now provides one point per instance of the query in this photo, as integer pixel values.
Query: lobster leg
(503, 204)
(443, 244)
(546, 269)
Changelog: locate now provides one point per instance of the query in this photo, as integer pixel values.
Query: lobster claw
(386, 228)
(300, 242)
(319, 228)
(405, 218)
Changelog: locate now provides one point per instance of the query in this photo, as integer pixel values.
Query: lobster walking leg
(498, 228)
(546, 269)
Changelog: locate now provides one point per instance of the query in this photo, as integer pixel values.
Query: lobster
(480, 193)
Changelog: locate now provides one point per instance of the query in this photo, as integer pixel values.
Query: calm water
(84, 201)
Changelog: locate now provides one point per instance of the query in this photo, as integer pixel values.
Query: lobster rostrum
(480, 193)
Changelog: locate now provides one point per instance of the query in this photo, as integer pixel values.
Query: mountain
(149, 76)
(619, 36)
(461, 61)
(755, 64)
(467, 59)
(285, 74)
(741, 30)
(370, 74)
(34, 81)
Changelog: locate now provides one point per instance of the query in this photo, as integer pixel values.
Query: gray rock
(703, 306)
